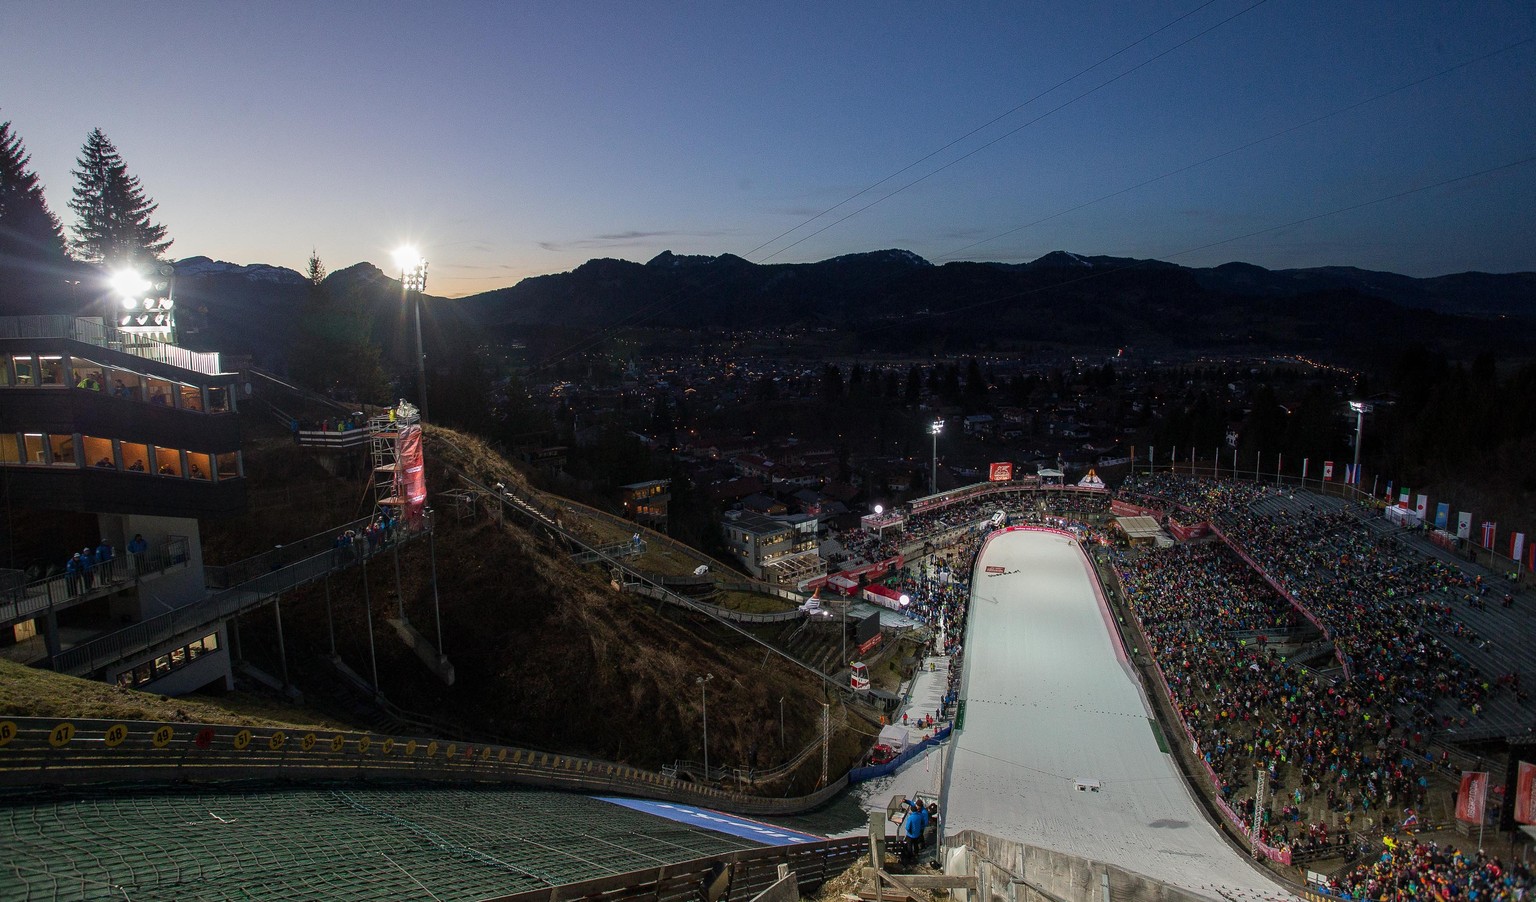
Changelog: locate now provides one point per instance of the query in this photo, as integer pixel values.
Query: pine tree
(29, 232)
(114, 214)
(316, 270)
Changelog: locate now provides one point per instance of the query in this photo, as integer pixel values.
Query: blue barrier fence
(860, 774)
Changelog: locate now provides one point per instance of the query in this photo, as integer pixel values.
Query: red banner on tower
(411, 477)
(1524, 779)
(1000, 472)
(1474, 792)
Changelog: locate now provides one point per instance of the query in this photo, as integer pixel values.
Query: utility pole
(703, 682)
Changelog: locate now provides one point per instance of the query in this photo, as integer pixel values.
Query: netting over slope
(341, 842)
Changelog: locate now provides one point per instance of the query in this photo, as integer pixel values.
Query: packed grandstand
(1303, 638)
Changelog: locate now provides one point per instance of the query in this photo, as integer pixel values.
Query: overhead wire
(1010, 133)
(954, 254)
(1240, 148)
(1098, 274)
(650, 311)
(993, 121)
(653, 309)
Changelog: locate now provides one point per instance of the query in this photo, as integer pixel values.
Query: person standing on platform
(72, 570)
(87, 567)
(104, 561)
(137, 547)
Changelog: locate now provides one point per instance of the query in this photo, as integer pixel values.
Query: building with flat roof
(781, 551)
(115, 444)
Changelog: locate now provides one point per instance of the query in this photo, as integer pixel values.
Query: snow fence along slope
(1051, 702)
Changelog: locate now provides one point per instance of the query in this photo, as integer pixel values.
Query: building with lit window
(780, 551)
(109, 437)
(646, 502)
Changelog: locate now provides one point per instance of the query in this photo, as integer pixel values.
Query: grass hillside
(28, 692)
(546, 653)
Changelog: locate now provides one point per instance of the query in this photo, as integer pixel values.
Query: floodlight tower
(413, 281)
(146, 300)
(935, 429)
(1361, 408)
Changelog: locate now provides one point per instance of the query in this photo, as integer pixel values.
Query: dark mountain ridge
(894, 297)
(889, 298)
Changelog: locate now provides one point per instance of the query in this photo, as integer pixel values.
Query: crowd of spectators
(1386, 610)
(940, 589)
(1339, 754)
(1410, 871)
(1327, 748)
(1356, 746)
(351, 545)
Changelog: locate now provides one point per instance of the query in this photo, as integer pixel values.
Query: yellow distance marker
(60, 735)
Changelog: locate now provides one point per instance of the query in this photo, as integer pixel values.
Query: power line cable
(1010, 133)
(647, 312)
(1243, 147)
(1341, 110)
(993, 121)
(1191, 250)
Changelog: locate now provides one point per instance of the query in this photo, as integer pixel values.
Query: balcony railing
(95, 332)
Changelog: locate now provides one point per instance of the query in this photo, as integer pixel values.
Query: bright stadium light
(130, 285)
(413, 281)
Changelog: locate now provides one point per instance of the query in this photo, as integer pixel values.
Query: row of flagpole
(1522, 554)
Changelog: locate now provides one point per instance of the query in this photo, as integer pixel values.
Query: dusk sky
(516, 139)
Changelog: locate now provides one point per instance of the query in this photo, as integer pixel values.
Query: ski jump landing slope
(1050, 701)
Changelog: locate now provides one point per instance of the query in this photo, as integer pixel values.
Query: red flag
(1474, 792)
(1524, 811)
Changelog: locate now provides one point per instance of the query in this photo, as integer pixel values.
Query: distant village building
(978, 424)
(646, 502)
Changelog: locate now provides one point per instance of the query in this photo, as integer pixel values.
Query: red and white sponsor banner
(995, 569)
(884, 596)
(847, 581)
(1525, 777)
(1000, 472)
(842, 583)
(1473, 794)
(1126, 509)
(1193, 531)
(411, 478)
(1490, 530)
(1327, 469)
(870, 643)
